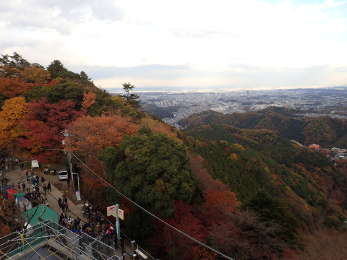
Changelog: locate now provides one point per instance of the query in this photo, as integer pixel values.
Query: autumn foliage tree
(180, 247)
(35, 74)
(13, 111)
(88, 100)
(43, 127)
(89, 135)
(12, 87)
(98, 193)
(218, 199)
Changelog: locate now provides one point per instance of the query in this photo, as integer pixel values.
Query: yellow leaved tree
(13, 111)
(34, 74)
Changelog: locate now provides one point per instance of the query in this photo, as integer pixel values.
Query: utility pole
(117, 225)
(69, 157)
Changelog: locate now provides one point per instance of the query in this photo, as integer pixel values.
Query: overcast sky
(188, 44)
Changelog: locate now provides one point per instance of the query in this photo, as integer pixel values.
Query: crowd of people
(94, 223)
(35, 188)
(96, 226)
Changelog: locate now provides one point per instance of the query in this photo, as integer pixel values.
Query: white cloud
(209, 38)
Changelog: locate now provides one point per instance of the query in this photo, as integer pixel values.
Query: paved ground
(18, 176)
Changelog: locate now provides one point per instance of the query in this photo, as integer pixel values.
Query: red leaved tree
(43, 128)
(180, 247)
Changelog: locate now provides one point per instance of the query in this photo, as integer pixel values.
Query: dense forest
(289, 124)
(241, 187)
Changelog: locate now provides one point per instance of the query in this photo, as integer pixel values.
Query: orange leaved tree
(88, 100)
(11, 87)
(89, 135)
(13, 111)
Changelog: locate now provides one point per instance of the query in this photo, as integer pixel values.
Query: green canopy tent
(19, 195)
(40, 213)
(35, 236)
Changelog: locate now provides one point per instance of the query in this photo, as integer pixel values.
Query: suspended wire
(104, 217)
(151, 214)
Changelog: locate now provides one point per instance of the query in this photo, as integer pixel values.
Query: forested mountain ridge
(249, 193)
(326, 131)
(285, 183)
(253, 161)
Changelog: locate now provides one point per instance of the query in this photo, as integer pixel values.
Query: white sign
(34, 164)
(111, 211)
(121, 214)
(78, 195)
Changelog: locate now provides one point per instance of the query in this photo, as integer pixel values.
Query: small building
(315, 147)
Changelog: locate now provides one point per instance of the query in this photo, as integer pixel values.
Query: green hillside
(326, 131)
(284, 183)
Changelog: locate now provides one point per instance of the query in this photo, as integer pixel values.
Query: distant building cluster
(334, 154)
(172, 107)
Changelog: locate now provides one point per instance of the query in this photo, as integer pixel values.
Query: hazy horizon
(215, 89)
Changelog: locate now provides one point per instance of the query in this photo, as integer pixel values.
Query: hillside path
(75, 210)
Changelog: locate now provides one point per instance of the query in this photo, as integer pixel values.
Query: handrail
(46, 231)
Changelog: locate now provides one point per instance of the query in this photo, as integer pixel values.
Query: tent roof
(20, 194)
(36, 215)
(21, 198)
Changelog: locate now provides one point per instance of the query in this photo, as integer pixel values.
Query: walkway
(74, 209)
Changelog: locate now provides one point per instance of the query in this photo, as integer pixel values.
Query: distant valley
(173, 107)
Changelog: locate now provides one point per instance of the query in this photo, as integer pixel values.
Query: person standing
(49, 187)
(61, 218)
(60, 203)
(66, 206)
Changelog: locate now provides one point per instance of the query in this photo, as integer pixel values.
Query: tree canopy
(13, 111)
(154, 172)
(90, 135)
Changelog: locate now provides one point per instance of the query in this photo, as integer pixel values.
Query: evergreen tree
(132, 98)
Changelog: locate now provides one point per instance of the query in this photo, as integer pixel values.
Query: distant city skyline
(189, 45)
(212, 89)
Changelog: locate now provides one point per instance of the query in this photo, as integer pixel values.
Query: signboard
(78, 195)
(111, 211)
(121, 214)
(34, 164)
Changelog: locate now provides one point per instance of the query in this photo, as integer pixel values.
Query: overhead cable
(152, 214)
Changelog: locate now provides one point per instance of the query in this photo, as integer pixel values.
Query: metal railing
(59, 239)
